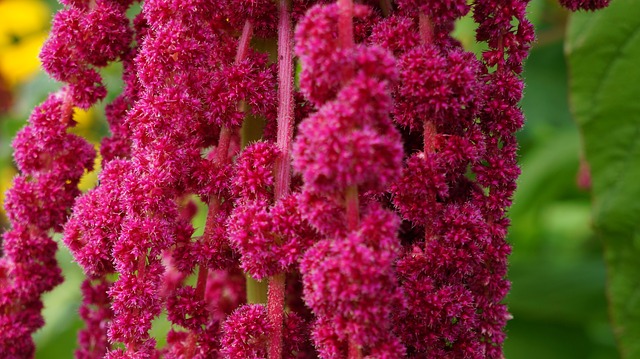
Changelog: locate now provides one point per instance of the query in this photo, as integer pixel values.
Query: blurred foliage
(557, 270)
(603, 50)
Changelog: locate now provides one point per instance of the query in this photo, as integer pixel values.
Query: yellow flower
(84, 120)
(23, 30)
(90, 179)
(6, 180)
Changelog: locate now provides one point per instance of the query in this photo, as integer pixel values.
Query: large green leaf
(604, 63)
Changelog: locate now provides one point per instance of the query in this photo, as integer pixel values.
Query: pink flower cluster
(374, 207)
(575, 5)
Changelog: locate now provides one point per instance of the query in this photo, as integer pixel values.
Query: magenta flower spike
(373, 207)
(575, 5)
(51, 162)
(348, 147)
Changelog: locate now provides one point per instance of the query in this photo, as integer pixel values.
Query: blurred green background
(558, 291)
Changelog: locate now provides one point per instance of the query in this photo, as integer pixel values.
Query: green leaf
(603, 49)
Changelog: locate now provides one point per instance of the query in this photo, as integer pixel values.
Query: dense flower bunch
(584, 4)
(374, 207)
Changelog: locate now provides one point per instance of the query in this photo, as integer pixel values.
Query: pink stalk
(142, 263)
(426, 37)
(245, 40)
(429, 147)
(429, 137)
(501, 48)
(346, 42)
(353, 219)
(67, 107)
(224, 142)
(345, 24)
(354, 351)
(221, 155)
(426, 29)
(275, 312)
(275, 300)
(353, 208)
(345, 32)
(202, 282)
(285, 100)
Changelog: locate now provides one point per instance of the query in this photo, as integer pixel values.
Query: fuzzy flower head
(509, 44)
(80, 39)
(442, 88)
(350, 141)
(92, 229)
(438, 11)
(419, 193)
(245, 333)
(261, 13)
(396, 33)
(575, 5)
(324, 62)
(349, 282)
(269, 240)
(253, 178)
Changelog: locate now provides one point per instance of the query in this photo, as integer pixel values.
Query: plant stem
(222, 151)
(142, 264)
(67, 107)
(275, 305)
(425, 28)
(353, 208)
(245, 40)
(430, 134)
(353, 220)
(347, 42)
(354, 351)
(275, 310)
(386, 7)
(285, 98)
(345, 24)
(201, 285)
(345, 34)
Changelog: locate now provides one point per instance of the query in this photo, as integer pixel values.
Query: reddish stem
(430, 134)
(354, 351)
(210, 223)
(353, 221)
(285, 98)
(201, 285)
(222, 151)
(353, 208)
(142, 262)
(425, 28)
(245, 40)
(345, 24)
(345, 34)
(67, 107)
(275, 300)
(275, 310)
(191, 345)
(346, 42)
(501, 49)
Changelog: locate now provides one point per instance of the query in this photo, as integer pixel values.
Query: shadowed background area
(557, 271)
